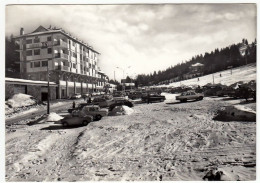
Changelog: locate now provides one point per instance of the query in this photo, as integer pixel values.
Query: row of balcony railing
(47, 44)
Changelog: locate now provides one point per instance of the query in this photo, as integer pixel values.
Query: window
(36, 40)
(29, 41)
(74, 54)
(29, 53)
(74, 66)
(49, 38)
(37, 52)
(44, 63)
(31, 64)
(49, 50)
(73, 44)
(37, 64)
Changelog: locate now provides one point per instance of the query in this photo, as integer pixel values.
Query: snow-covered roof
(28, 82)
(197, 65)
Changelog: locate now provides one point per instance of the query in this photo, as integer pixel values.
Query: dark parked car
(153, 97)
(228, 91)
(212, 90)
(80, 106)
(120, 101)
(135, 95)
(244, 92)
(118, 94)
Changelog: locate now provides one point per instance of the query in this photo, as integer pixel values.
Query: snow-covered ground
(243, 73)
(158, 141)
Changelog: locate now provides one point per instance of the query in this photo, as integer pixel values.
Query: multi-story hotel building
(71, 63)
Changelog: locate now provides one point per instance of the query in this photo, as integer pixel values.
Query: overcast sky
(146, 37)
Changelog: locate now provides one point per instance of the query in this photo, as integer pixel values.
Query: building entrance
(44, 96)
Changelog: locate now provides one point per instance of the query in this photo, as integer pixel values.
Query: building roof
(28, 82)
(42, 30)
(197, 65)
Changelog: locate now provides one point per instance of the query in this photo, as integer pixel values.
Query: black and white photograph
(130, 92)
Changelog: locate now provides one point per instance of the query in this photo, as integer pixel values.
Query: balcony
(61, 44)
(62, 68)
(34, 45)
(61, 55)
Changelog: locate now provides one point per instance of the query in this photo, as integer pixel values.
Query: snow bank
(127, 110)
(54, 117)
(236, 113)
(170, 97)
(20, 100)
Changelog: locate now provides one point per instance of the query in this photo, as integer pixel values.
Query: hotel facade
(69, 62)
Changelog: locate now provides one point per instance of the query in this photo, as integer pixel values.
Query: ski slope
(244, 73)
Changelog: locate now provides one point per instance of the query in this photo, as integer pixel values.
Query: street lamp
(48, 97)
(123, 73)
(123, 69)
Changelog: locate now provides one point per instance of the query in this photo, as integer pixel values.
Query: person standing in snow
(148, 98)
(73, 105)
(89, 99)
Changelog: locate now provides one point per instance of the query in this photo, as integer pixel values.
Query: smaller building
(37, 89)
(111, 88)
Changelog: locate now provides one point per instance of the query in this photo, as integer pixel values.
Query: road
(159, 141)
(42, 111)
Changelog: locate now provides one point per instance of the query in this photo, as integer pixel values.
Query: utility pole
(48, 97)
(213, 78)
(114, 75)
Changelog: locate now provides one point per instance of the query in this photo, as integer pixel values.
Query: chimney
(21, 31)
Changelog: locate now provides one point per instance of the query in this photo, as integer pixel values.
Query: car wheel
(161, 100)
(84, 123)
(65, 124)
(200, 98)
(98, 117)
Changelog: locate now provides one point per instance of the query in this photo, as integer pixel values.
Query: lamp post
(48, 97)
(123, 73)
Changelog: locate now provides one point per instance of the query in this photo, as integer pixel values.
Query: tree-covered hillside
(217, 60)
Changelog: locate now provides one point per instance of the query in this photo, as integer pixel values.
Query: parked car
(153, 97)
(85, 95)
(118, 94)
(244, 92)
(80, 106)
(95, 111)
(179, 89)
(135, 95)
(212, 90)
(120, 101)
(102, 102)
(76, 118)
(95, 93)
(75, 96)
(189, 95)
(228, 91)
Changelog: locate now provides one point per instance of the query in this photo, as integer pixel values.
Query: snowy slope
(244, 73)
